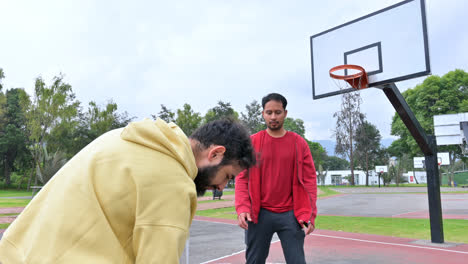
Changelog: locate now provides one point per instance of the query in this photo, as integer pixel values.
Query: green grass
(226, 213)
(210, 193)
(212, 201)
(13, 202)
(14, 193)
(455, 230)
(4, 226)
(12, 214)
(326, 191)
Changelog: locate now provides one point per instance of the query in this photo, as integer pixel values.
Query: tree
(13, 137)
(318, 153)
(50, 106)
(222, 110)
(367, 145)
(50, 164)
(73, 135)
(188, 120)
(348, 119)
(388, 176)
(335, 163)
(165, 114)
(2, 76)
(2, 98)
(435, 96)
(294, 125)
(321, 175)
(253, 119)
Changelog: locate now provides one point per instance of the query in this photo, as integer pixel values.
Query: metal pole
(433, 191)
(428, 146)
(380, 175)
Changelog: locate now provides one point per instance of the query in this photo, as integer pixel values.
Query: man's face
(215, 177)
(274, 115)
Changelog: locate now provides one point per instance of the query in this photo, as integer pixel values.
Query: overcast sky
(143, 54)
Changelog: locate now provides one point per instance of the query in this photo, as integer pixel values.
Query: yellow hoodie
(128, 197)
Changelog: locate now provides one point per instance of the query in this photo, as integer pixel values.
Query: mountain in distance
(329, 145)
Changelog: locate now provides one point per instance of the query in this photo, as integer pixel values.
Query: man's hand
(242, 220)
(307, 227)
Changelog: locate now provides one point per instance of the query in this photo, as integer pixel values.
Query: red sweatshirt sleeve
(242, 199)
(310, 179)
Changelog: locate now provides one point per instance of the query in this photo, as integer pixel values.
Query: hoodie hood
(165, 138)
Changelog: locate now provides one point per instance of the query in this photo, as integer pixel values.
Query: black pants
(258, 237)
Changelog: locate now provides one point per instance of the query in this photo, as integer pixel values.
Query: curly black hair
(230, 134)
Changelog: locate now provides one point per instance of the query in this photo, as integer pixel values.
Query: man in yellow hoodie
(129, 196)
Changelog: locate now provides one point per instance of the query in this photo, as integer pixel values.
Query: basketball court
(221, 241)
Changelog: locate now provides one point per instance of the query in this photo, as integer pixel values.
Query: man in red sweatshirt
(279, 194)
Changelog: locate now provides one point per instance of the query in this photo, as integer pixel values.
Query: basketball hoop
(357, 81)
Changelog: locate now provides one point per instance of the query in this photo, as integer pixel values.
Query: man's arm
(310, 180)
(162, 219)
(242, 199)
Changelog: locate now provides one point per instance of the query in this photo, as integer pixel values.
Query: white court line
(412, 212)
(223, 257)
(392, 244)
(226, 255)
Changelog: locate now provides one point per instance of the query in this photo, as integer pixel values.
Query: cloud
(146, 53)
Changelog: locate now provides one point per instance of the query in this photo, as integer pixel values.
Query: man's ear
(216, 152)
(285, 113)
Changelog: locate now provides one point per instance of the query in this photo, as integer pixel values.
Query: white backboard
(443, 158)
(381, 169)
(418, 162)
(448, 128)
(390, 44)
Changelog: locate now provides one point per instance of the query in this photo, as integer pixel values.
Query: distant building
(341, 177)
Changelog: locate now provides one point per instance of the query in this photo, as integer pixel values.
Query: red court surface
(325, 246)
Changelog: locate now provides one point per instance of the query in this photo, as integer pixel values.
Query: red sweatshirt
(249, 184)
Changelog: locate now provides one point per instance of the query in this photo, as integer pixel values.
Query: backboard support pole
(428, 146)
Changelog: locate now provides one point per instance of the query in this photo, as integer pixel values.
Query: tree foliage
(51, 105)
(335, 163)
(318, 153)
(348, 119)
(165, 114)
(367, 144)
(220, 111)
(73, 135)
(253, 119)
(50, 164)
(2, 76)
(13, 137)
(188, 120)
(295, 125)
(435, 96)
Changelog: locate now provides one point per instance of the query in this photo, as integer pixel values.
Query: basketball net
(349, 76)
